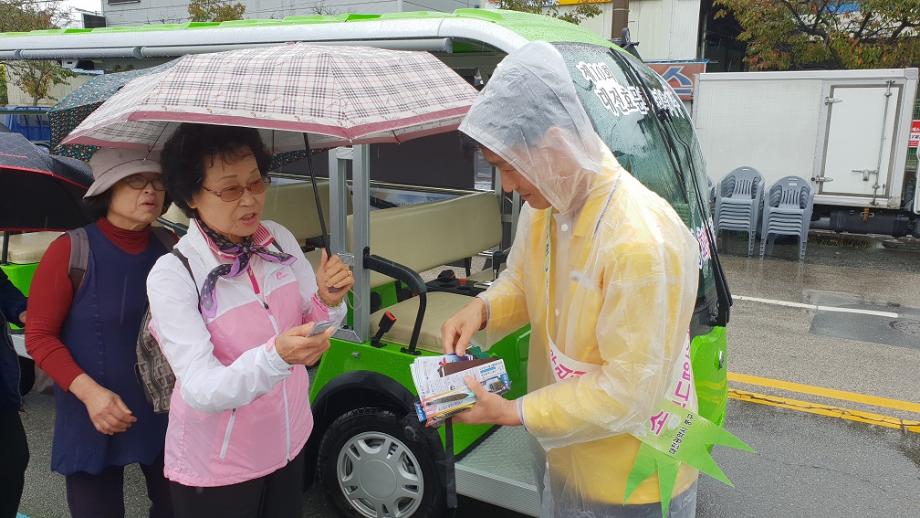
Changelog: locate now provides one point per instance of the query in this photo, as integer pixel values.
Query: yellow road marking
(825, 410)
(843, 395)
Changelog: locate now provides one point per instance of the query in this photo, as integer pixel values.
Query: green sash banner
(678, 435)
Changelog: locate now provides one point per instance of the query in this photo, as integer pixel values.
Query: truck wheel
(373, 464)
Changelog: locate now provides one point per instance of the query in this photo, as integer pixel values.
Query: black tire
(26, 375)
(371, 425)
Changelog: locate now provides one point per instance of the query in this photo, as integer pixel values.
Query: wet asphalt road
(813, 466)
(806, 465)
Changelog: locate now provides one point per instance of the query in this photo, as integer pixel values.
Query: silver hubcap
(379, 476)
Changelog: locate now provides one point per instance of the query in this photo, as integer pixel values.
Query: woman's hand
(296, 346)
(490, 408)
(106, 410)
(334, 279)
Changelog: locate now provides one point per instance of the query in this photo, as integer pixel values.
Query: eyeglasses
(236, 192)
(140, 182)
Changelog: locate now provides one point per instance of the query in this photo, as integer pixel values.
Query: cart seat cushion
(314, 257)
(293, 205)
(29, 248)
(486, 275)
(429, 235)
(482, 276)
(175, 215)
(441, 306)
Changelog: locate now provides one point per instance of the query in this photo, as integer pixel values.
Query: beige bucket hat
(111, 165)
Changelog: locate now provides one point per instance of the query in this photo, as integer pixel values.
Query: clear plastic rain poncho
(607, 279)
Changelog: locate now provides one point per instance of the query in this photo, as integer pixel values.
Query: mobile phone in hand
(321, 327)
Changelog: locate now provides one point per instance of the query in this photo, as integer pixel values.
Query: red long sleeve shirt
(51, 295)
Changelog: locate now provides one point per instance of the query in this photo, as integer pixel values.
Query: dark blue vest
(101, 334)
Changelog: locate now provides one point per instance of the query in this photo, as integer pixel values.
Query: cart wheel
(373, 464)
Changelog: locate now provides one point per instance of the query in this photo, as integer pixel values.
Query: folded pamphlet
(441, 386)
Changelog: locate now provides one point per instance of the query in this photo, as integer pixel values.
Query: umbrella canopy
(40, 191)
(339, 95)
(70, 111)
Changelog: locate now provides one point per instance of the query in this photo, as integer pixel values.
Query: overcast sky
(89, 5)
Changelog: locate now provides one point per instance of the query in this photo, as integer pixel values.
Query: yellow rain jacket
(606, 339)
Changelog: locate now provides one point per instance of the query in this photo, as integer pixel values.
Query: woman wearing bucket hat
(87, 301)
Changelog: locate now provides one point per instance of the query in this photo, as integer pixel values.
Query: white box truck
(846, 131)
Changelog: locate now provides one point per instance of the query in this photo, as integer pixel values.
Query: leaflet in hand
(442, 391)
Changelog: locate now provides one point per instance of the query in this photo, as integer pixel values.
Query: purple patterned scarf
(240, 253)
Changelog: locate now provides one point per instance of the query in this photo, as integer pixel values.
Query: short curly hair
(193, 146)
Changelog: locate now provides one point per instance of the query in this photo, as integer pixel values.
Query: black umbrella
(40, 191)
(70, 111)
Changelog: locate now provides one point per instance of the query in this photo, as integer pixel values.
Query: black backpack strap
(175, 251)
(79, 252)
(165, 236)
(79, 257)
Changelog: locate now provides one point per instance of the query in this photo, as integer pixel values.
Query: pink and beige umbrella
(338, 95)
(300, 95)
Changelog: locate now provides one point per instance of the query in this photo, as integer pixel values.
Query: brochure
(442, 390)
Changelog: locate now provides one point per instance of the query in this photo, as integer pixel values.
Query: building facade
(138, 12)
(667, 30)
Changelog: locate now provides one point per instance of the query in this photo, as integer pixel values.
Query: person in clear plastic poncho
(605, 272)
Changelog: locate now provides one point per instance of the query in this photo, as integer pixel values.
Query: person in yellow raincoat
(605, 272)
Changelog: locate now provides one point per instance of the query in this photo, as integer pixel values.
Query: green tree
(580, 13)
(322, 10)
(35, 78)
(215, 10)
(798, 34)
(24, 15)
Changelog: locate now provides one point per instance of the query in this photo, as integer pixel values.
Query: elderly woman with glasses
(84, 317)
(234, 309)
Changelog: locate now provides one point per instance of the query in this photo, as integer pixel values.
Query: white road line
(773, 302)
(886, 314)
(815, 307)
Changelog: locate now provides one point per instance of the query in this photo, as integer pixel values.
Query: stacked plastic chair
(787, 212)
(738, 202)
(712, 195)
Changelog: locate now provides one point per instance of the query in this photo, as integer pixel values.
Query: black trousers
(276, 495)
(15, 459)
(102, 495)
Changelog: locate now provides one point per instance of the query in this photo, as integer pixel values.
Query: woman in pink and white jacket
(239, 413)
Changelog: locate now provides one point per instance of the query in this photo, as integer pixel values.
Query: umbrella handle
(324, 238)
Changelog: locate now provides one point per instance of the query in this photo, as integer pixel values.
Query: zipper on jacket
(226, 444)
(287, 423)
(261, 298)
(256, 288)
(287, 417)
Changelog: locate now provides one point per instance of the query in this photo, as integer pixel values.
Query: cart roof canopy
(464, 30)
